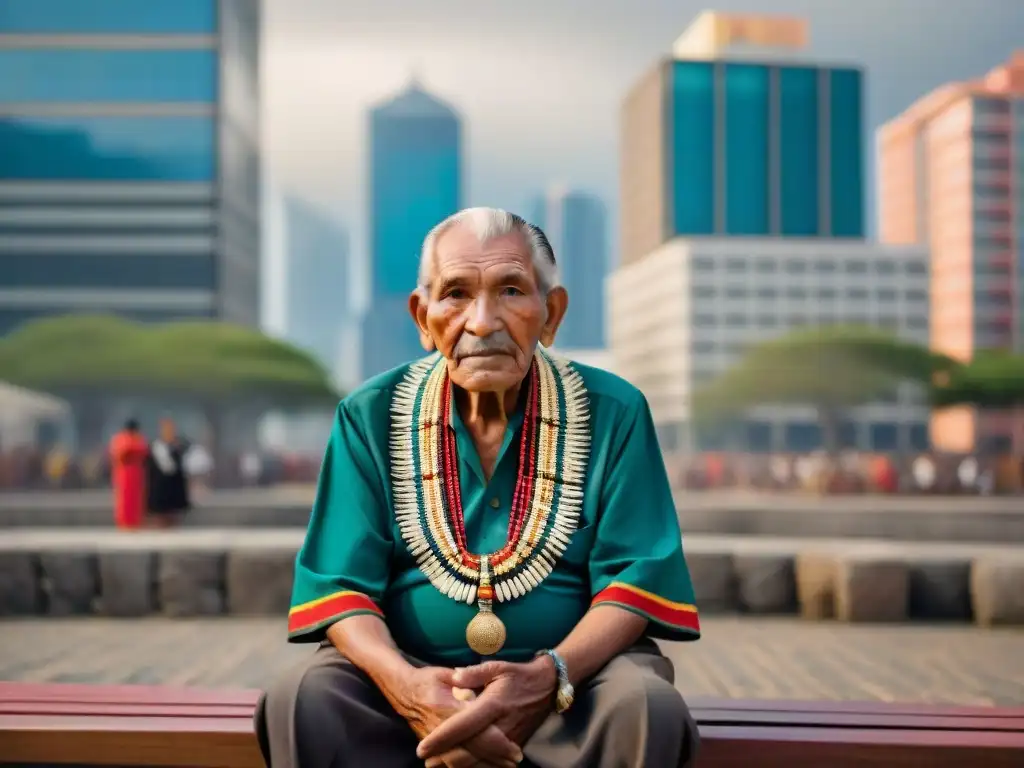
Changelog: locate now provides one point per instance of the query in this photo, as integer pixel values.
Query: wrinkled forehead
(459, 250)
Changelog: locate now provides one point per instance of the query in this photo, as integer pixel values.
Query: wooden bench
(197, 728)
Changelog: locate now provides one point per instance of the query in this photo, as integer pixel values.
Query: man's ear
(418, 310)
(557, 302)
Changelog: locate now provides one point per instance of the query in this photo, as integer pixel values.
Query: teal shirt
(626, 551)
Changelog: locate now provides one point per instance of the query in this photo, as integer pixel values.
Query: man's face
(485, 311)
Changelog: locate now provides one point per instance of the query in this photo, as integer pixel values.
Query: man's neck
(484, 411)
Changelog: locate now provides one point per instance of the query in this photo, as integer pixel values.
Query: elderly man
(492, 548)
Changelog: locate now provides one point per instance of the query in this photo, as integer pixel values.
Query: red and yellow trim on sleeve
(681, 617)
(328, 610)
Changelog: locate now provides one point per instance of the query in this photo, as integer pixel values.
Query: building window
(795, 292)
(858, 294)
(856, 267)
(767, 321)
(705, 321)
(796, 266)
(705, 292)
(767, 292)
(885, 267)
(887, 294)
(735, 292)
(989, 106)
(798, 151)
(735, 265)
(735, 321)
(63, 75)
(746, 149)
(884, 437)
(107, 17)
(916, 294)
(702, 347)
(846, 139)
(826, 267)
(889, 322)
(704, 264)
(797, 321)
(693, 147)
(107, 148)
(767, 267)
(95, 270)
(826, 293)
(915, 268)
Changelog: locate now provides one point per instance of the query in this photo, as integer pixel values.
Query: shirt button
(495, 502)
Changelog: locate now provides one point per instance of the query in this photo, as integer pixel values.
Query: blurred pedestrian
(128, 451)
(168, 485)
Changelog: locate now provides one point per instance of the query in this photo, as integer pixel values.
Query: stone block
(20, 591)
(190, 583)
(997, 591)
(766, 583)
(70, 581)
(870, 588)
(940, 590)
(816, 585)
(259, 582)
(714, 582)
(127, 583)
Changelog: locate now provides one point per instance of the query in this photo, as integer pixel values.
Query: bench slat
(136, 694)
(731, 747)
(45, 709)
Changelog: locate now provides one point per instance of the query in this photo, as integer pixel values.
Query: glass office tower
(415, 183)
(742, 148)
(129, 159)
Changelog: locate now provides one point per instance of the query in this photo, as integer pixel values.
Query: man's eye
(455, 293)
(511, 291)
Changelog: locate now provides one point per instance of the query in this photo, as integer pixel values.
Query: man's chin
(496, 373)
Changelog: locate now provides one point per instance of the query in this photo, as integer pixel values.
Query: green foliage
(991, 380)
(830, 367)
(82, 355)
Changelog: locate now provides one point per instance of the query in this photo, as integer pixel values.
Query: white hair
(488, 224)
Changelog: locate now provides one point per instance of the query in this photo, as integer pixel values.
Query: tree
(830, 368)
(992, 380)
(93, 360)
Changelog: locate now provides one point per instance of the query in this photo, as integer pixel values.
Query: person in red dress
(128, 451)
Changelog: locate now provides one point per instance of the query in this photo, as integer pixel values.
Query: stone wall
(849, 584)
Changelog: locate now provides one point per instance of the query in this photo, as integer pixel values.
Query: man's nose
(483, 317)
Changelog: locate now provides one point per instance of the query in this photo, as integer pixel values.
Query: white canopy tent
(21, 410)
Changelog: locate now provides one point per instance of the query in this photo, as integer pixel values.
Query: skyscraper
(317, 282)
(951, 174)
(742, 194)
(727, 138)
(415, 182)
(129, 159)
(576, 224)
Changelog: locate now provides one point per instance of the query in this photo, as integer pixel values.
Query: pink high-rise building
(951, 175)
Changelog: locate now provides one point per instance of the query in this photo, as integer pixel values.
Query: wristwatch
(565, 693)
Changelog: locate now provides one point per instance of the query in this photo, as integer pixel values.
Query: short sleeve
(343, 567)
(637, 560)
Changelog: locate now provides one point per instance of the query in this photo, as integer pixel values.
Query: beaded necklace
(548, 497)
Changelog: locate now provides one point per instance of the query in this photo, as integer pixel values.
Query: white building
(687, 311)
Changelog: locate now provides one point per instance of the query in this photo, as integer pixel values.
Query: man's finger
(459, 728)
(495, 748)
(479, 675)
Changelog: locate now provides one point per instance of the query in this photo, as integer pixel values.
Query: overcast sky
(539, 83)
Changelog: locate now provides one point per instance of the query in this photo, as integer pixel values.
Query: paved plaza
(737, 657)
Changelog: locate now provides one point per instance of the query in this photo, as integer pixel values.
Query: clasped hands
(479, 715)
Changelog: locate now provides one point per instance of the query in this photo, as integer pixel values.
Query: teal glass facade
(846, 153)
(93, 17)
(692, 148)
(747, 149)
(799, 152)
(764, 150)
(165, 148)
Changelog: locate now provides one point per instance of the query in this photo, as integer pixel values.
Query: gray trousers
(325, 713)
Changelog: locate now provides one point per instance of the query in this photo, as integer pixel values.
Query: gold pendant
(486, 632)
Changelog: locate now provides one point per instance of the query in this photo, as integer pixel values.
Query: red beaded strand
(524, 478)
